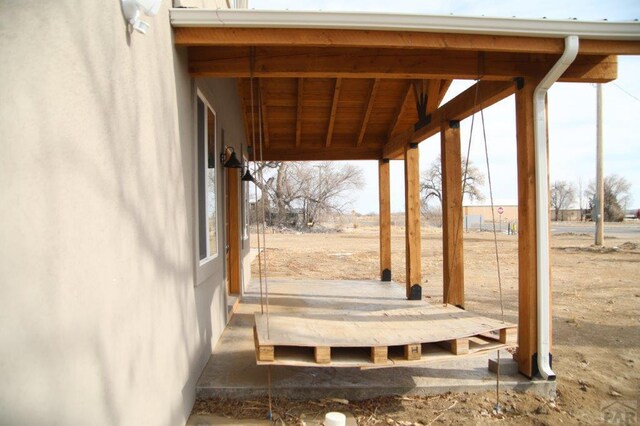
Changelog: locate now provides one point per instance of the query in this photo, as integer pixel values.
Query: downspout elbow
(542, 205)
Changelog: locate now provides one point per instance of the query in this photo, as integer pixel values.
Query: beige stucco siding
(101, 322)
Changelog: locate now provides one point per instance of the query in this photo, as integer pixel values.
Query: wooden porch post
(233, 205)
(452, 233)
(527, 258)
(384, 189)
(412, 216)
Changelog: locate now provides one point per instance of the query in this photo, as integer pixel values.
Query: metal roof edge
(606, 30)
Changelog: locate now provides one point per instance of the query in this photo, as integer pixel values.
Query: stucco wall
(100, 320)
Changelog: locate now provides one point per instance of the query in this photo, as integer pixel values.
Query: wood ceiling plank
(321, 153)
(367, 112)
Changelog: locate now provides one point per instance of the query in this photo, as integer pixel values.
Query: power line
(620, 87)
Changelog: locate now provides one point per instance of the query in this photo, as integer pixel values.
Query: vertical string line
(255, 170)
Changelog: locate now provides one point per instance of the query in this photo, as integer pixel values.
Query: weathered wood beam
(299, 111)
(334, 109)
(311, 37)
(412, 219)
(321, 154)
(452, 232)
(384, 189)
(475, 98)
(315, 62)
(264, 112)
(367, 111)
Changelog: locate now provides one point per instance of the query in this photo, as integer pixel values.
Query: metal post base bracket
(416, 292)
(386, 275)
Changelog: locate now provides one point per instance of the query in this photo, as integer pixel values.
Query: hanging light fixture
(232, 162)
(247, 177)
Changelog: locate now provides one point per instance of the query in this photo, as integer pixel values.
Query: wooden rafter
(334, 108)
(311, 37)
(264, 112)
(313, 62)
(299, 111)
(404, 105)
(243, 106)
(367, 112)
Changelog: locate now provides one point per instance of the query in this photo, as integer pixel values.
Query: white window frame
(205, 267)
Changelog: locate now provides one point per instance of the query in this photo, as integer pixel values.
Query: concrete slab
(232, 371)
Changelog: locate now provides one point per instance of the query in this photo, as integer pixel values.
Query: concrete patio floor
(232, 371)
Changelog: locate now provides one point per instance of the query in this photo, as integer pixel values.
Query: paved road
(619, 230)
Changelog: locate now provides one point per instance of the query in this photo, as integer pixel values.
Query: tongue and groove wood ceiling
(330, 118)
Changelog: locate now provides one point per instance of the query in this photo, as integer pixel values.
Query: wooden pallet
(382, 339)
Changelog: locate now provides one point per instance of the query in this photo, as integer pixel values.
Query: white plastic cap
(335, 419)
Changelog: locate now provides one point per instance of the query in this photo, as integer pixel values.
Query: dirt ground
(596, 324)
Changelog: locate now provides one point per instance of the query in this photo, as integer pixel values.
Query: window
(207, 183)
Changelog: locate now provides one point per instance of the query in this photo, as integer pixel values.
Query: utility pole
(599, 175)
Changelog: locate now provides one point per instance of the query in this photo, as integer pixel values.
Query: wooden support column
(412, 219)
(452, 233)
(384, 188)
(527, 257)
(233, 210)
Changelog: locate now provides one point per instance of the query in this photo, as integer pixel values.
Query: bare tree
(313, 188)
(563, 194)
(431, 183)
(616, 197)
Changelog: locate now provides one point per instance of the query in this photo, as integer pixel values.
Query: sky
(572, 106)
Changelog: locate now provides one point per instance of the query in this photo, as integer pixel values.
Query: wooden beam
(444, 87)
(317, 62)
(412, 225)
(384, 189)
(321, 154)
(265, 113)
(233, 239)
(379, 354)
(527, 258)
(334, 108)
(475, 98)
(433, 95)
(452, 232)
(312, 37)
(299, 113)
(407, 102)
(367, 111)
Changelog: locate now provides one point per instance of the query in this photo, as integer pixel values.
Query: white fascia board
(606, 30)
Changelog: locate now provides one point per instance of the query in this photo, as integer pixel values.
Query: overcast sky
(572, 106)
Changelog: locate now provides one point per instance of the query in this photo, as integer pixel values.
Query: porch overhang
(341, 86)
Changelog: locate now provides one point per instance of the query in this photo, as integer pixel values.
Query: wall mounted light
(133, 9)
(231, 162)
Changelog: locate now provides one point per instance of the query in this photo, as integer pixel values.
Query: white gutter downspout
(571, 44)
